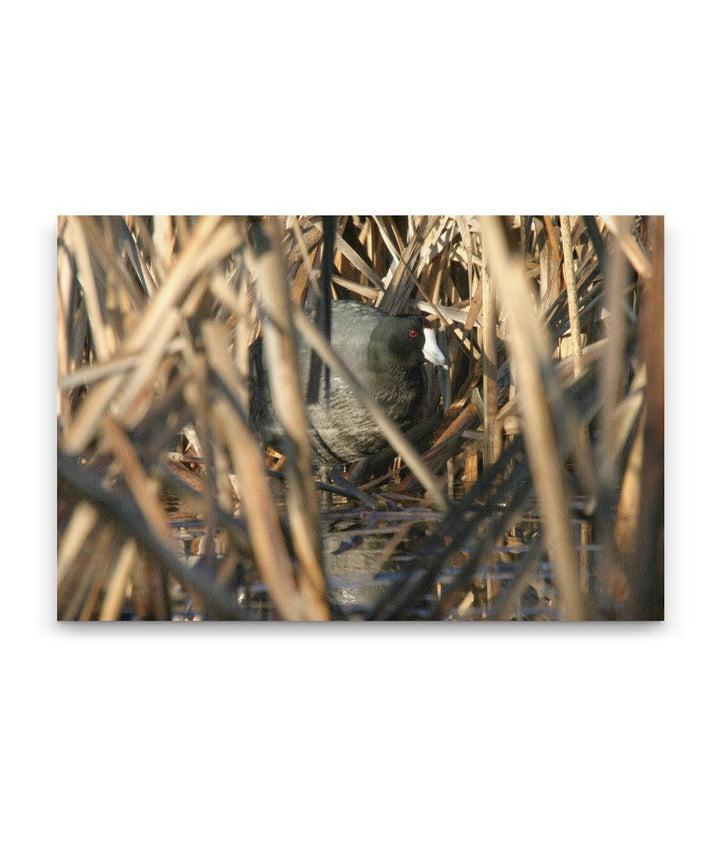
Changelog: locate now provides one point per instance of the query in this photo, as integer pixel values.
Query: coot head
(403, 340)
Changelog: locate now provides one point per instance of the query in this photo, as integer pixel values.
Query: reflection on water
(353, 565)
(356, 569)
(364, 555)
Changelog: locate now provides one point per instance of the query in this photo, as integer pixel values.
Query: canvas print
(360, 418)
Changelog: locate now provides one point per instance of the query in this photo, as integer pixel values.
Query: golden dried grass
(155, 319)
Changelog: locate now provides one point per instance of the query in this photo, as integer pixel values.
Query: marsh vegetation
(530, 485)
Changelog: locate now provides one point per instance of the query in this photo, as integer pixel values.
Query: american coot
(386, 352)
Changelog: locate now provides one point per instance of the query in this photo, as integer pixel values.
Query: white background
(358, 739)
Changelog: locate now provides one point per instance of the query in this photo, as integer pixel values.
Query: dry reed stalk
(243, 340)
(585, 533)
(124, 513)
(399, 289)
(549, 260)
(266, 537)
(312, 274)
(363, 290)
(646, 567)
(446, 313)
(90, 374)
(105, 252)
(551, 239)
(359, 263)
(70, 603)
(435, 457)
(119, 577)
(92, 598)
(264, 527)
(619, 228)
(582, 454)
(116, 441)
(82, 522)
(197, 392)
(140, 593)
(146, 276)
(477, 303)
(571, 288)
(470, 467)
(630, 501)
(78, 334)
(146, 368)
(352, 490)
(612, 371)
(492, 440)
(287, 395)
(64, 288)
(474, 290)
(565, 369)
(150, 594)
(492, 428)
(312, 236)
(164, 242)
(466, 343)
(529, 350)
(391, 432)
(108, 290)
(211, 240)
(87, 280)
(387, 239)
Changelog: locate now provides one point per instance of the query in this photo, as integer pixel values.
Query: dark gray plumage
(386, 352)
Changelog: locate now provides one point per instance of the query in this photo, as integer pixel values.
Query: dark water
(353, 565)
(362, 559)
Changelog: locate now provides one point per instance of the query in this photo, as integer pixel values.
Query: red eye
(414, 333)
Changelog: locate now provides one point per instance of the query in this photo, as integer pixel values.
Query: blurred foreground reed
(533, 490)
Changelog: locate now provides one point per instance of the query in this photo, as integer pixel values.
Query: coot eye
(414, 333)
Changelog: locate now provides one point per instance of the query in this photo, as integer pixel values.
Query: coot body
(386, 352)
